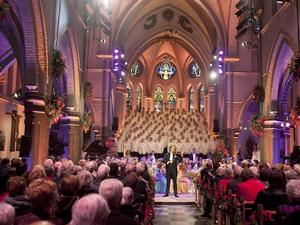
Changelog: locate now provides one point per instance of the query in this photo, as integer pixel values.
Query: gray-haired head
(91, 209)
(237, 170)
(7, 214)
(293, 190)
(103, 171)
(85, 178)
(127, 196)
(111, 190)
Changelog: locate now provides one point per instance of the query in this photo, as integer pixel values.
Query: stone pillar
(37, 126)
(235, 145)
(297, 132)
(211, 108)
(287, 146)
(270, 153)
(72, 134)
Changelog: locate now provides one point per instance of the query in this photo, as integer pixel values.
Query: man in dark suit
(193, 157)
(171, 160)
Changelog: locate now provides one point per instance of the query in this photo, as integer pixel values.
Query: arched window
(158, 99)
(191, 99)
(201, 98)
(128, 97)
(171, 99)
(139, 98)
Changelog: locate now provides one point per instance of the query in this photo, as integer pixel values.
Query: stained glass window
(139, 98)
(166, 70)
(158, 99)
(191, 99)
(128, 97)
(136, 69)
(201, 98)
(171, 99)
(194, 70)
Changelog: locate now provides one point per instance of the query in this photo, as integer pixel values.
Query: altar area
(147, 131)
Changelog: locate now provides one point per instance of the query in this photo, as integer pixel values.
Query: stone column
(37, 127)
(297, 132)
(211, 108)
(235, 145)
(287, 146)
(270, 153)
(72, 134)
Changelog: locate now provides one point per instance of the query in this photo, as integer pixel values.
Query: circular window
(194, 70)
(166, 70)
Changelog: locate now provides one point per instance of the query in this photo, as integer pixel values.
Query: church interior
(86, 80)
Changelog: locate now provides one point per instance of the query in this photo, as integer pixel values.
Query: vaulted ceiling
(199, 26)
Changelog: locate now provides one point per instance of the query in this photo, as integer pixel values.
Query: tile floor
(178, 215)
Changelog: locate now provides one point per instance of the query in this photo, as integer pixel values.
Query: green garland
(257, 124)
(294, 66)
(87, 121)
(4, 9)
(57, 63)
(258, 93)
(53, 108)
(88, 90)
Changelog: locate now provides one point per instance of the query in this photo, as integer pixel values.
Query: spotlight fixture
(213, 75)
(116, 51)
(215, 57)
(122, 56)
(122, 73)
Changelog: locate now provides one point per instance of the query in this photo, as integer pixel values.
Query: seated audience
(69, 186)
(275, 195)
(7, 214)
(111, 190)
(126, 203)
(249, 187)
(289, 213)
(85, 183)
(16, 195)
(91, 209)
(102, 173)
(228, 177)
(42, 195)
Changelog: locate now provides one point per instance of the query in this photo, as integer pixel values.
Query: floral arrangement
(295, 111)
(57, 63)
(258, 93)
(54, 107)
(219, 154)
(257, 124)
(88, 90)
(149, 206)
(4, 9)
(294, 66)
(87, 121)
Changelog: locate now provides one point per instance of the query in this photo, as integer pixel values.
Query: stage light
(116, 51)
(15, 95)
(220, 59)
(116, 69)
(213, 75)
(220, 71)
(221, 52)
(210, 64)
(122, 55)
(116, 63)
(122, 73)
(116, 57)
(215, 57)
(282, 124)
(220, 66)
(288, 125)
(126, 63)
